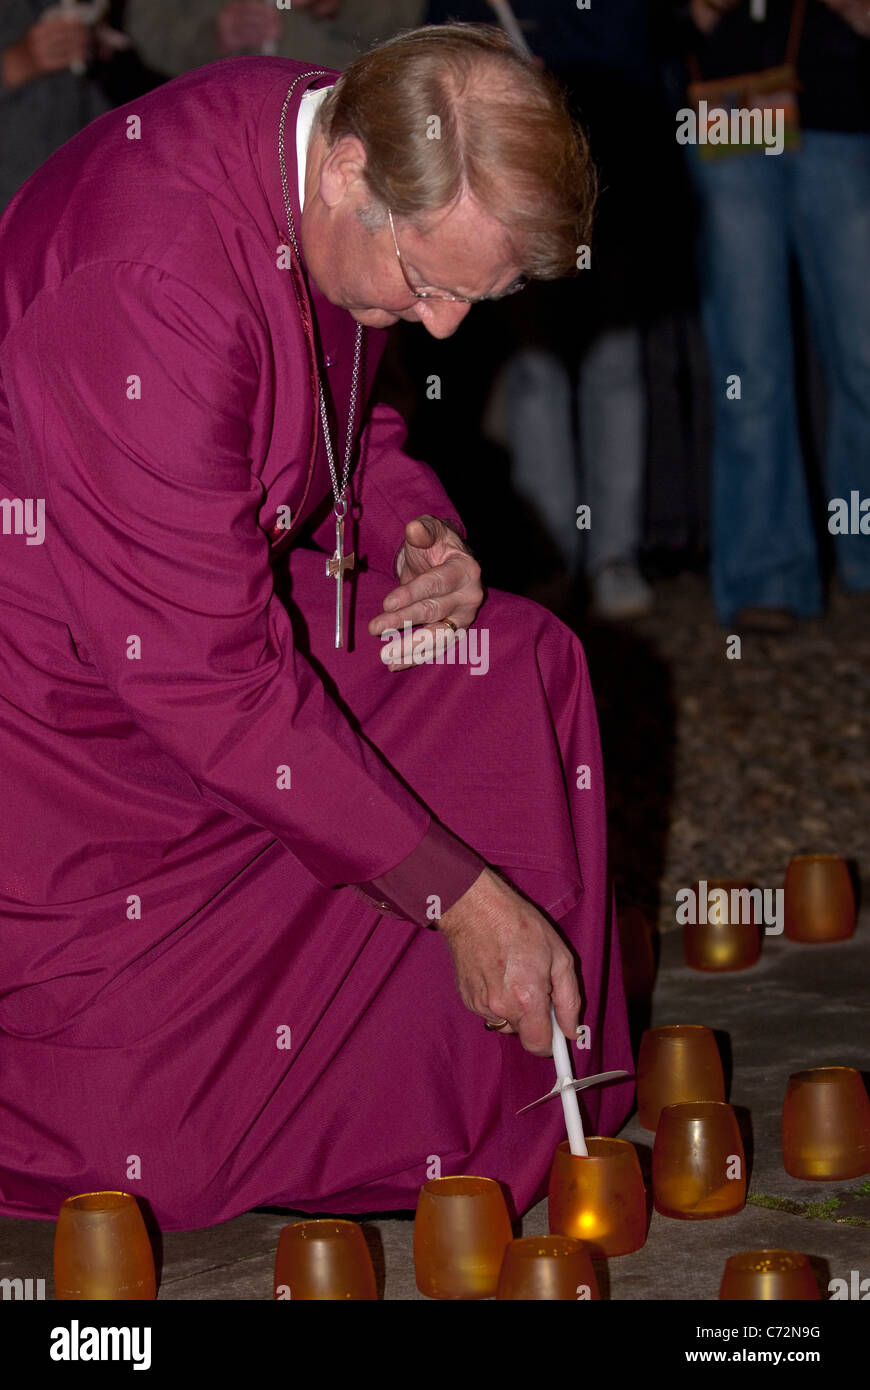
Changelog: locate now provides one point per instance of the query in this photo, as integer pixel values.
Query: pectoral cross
(335, 569)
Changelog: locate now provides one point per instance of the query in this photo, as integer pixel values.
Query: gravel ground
(721, 768)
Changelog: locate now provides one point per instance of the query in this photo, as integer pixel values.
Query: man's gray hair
(451, 110)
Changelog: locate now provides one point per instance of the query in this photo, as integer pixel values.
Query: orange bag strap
(795, 32)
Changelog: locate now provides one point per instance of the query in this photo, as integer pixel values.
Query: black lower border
(260, 1339)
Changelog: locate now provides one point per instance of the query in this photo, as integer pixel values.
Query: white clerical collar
(305, 120)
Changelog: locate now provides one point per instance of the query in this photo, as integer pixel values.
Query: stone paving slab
(802, 1005)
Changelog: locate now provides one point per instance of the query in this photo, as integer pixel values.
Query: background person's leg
(831, 226)
(612, 409)
(763, 544)
(543, 455)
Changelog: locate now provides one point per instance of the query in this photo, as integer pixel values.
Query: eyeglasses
(514, 288)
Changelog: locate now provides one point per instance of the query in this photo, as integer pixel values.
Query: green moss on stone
(816, 1211)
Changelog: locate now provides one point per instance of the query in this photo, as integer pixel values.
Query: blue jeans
(755, 209)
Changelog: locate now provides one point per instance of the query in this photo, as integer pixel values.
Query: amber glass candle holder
(819, 898)
(547, 1267)
(102, 1250)
(826, 1124)
(601, 1199)
(730, 939)
(677, 1063)
(775, 1274)
(699, 1167)
(461, 1231)
(325, 1259)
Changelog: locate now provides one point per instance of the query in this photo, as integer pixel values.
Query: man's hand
(439, 578)
(250, 23)
(707, 13)
(509, 961)
(48, 46)
(247, 24)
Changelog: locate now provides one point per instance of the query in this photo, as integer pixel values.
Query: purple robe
(220, 838)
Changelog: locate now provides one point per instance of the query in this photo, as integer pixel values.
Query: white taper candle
(570, 1104)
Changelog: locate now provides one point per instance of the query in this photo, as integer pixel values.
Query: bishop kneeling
(259, 894)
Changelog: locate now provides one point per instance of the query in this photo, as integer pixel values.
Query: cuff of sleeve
(428, 881)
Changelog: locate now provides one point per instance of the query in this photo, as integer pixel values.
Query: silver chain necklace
(336, 566)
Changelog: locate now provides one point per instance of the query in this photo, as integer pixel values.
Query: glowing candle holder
(676, 1063)
(547, 1267)
(826, 1124)
(324, 1260)
(768, 1274)
(102, 1250)
(699, 1167)
(726, 941)
(461, 1231)
(819, 899)
(600, 1199)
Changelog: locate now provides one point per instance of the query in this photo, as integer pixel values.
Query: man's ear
(342, 173)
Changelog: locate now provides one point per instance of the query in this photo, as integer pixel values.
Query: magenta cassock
(202, 998)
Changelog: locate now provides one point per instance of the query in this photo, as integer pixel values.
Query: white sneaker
(619, 590)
